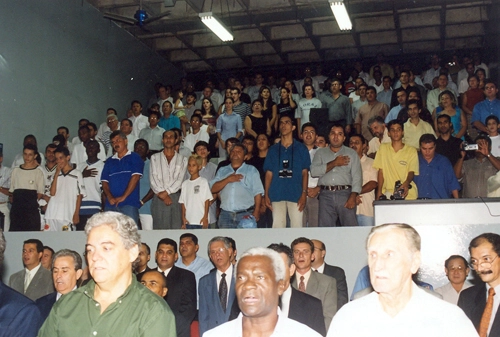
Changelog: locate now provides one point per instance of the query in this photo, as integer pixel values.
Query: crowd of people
(281, 290)
(312, 152)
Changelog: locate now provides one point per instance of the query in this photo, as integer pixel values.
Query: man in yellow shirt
(414, 128)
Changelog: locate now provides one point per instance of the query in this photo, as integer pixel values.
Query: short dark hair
(395, 121)
(51, 146)
(49, 248)
(147, 247)
(308, 124)
(361, 137)
(112, 109)
(156, 113)
(197, 116)
(64, 128)
(492, 238)
(190, 235)
(453, 257)
(485, 137)
(167, 241)
(337, 125)
(128, 120)
(145, 142)
(282, 248)
(302, 240)
(92, 124)
(249, 137)
(371, 87)
(490, 117)
(38, 243)
(427, 138)
(135, 101)
(201, 143)
(63, 150)
(445, 116)
(414, 101)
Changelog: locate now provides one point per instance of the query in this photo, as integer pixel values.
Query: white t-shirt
(495, 146)
(92, 185)
(191, 138)
(193, 195)
(62, 205)
(304, 108)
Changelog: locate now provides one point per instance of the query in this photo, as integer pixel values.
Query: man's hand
(76, 219)
(204, 222)
(256, 214)
(351, 202)
(233, 178)
(312, 192)
(405, 188)
(167, 200)
(302, 202)
(267, 202)
(89, 172)
(358, 200)
(482, 145)
(341, 161)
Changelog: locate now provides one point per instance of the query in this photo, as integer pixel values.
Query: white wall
(60, 61)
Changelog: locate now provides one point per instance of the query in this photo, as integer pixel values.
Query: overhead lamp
(216, 26)
(340, 13)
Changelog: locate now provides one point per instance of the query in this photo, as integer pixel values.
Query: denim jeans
(364, 220)
(232, 219)
(131, 211)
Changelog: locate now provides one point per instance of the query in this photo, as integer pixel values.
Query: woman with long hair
(287, 105)
(228, 126)
(306, 103)
(269, 108)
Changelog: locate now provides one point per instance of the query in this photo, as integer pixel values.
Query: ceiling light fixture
(216, 26)
(340, 13)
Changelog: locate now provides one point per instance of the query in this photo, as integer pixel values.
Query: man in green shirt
(113, 303)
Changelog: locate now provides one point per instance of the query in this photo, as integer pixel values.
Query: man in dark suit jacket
(484, 251)
(41, 282)
(211, 313)
(303, 308)
(142, 264)
(19, 316)
(181, 284)
(336, 272)
(66, 271)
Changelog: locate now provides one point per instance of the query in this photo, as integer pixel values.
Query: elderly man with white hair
(113, 303)
(398, 307)
(259, 284)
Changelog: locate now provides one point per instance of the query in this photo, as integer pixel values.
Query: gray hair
(122, 224)
(410, 233)
(2, 245)
(276, 260)
(77, 259)
(223, 239)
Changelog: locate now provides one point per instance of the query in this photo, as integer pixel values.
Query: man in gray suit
(33, 281)
(313, 283)
(336, 272)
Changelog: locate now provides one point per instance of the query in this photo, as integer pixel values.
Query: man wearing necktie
(480, 302)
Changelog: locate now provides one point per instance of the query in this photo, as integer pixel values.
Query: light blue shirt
(393, 114)
(228, 125)
(240, 195)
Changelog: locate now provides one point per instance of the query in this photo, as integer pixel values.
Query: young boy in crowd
(66, 192)
(492, 122)
(195, 197)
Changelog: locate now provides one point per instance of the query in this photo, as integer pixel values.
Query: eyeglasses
(218, 251)
(486, 262)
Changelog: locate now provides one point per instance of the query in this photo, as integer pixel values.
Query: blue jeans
(188, 226)
(364, 220)
(131, 211)
(232, 219)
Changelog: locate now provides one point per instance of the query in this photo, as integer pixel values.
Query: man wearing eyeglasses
(480, 302)
(456, 269)
(216, 290)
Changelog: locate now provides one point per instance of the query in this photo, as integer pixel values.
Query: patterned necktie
(302, 285)
(485, 319)
(223, 292)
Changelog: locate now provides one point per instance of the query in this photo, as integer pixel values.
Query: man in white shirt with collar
(139, 121)
(380, 135)
(457, 270)
(33, 281)
(480, 302)
(316, 284)
(66, 271)
(216, 289)
(260, 274)
(397, 306)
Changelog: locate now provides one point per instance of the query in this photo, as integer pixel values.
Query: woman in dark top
(263, 144)
(287, 105)
(256, 123)
(269, 108)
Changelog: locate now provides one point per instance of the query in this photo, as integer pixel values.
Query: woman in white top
(306, 103)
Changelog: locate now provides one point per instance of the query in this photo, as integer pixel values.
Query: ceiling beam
(397, 25)
(442, 27)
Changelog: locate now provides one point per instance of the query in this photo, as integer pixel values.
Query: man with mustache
(480, 302)
(120, 178)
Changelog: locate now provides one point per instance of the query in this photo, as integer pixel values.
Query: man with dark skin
(155, 281)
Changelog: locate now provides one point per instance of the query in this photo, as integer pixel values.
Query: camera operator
(474, 173)
(340, 179)
(287, 165)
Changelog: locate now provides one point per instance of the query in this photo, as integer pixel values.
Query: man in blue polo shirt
(120, 178)
(287, 165)
(168, 121)
(436, 179)
(490, 106)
